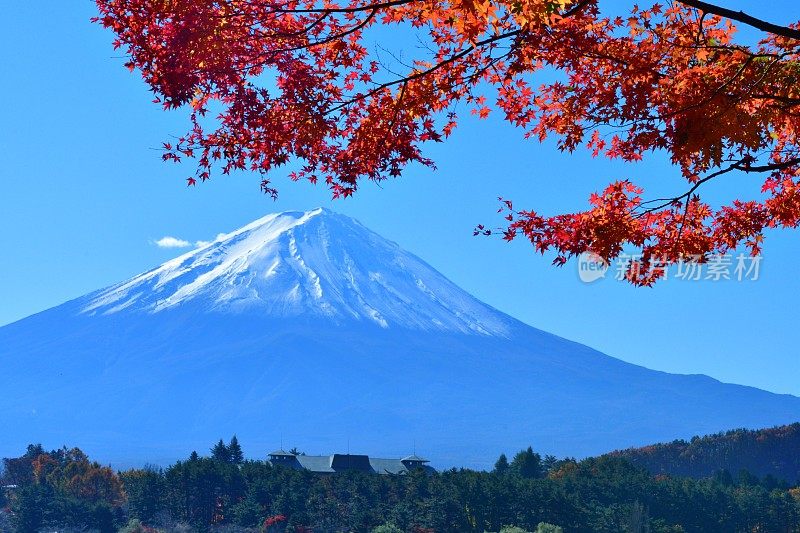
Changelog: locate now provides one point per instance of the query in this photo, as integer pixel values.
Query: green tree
(544, 527)
(145, 488)
(605, 495)
(639, 519)
(247, 513)
(549, 462)
(501, 465)
(200, 492)
(236, 456)
(387, 528)
(527, 464)
(220, 452)
(134, 525)
(63, 488)
(29, 506)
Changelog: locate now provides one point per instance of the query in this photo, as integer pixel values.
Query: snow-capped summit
(315, 263)
(310, 326)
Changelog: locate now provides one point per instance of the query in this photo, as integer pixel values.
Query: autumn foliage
(71, 471)
(60, 488)
(270, 82)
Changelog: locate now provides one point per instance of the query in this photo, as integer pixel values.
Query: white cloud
(172, 242)
(201, 244)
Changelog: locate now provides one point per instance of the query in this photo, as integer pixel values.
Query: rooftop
(341, 462)
(281, 453)
(414, 459)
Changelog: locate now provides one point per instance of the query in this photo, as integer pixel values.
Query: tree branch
(741, 16)
(741, 165)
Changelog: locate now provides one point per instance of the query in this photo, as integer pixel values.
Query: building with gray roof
(344, 462)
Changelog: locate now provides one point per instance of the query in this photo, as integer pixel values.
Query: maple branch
(741, 16)
(366, 7)
(774, 166)
(763, 168)
(742, 165)
(265, 58)
(779, 98)
(576, 8)
(422, 73)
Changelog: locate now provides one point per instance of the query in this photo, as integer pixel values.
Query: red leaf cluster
(295, 81)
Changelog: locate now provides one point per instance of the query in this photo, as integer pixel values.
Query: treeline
(62, 489)
(771, 452)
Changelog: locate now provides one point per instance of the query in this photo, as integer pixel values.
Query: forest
(764, 452)
(222, 491)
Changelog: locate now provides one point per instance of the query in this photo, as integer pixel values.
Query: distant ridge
(773, 451)
(311, 326)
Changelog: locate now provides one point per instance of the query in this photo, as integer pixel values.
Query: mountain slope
(315, 264)
(308, 326)
(772, 451)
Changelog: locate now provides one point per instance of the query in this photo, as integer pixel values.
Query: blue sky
(84, 195)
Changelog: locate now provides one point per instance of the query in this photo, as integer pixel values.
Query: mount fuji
(308, 328)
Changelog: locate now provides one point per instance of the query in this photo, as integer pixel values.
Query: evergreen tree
(501, 466)
(746, 478)
(387, 528)
(235, 451)
(544, 527)
(247, 513)
(603, 495)
(527, 464)
(145, 489)
(29, 508)
(221, 453)
(549, 463)
(723, 477)
(639, 521)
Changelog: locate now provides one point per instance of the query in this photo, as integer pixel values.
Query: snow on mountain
(311, 327)
(316, 263)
